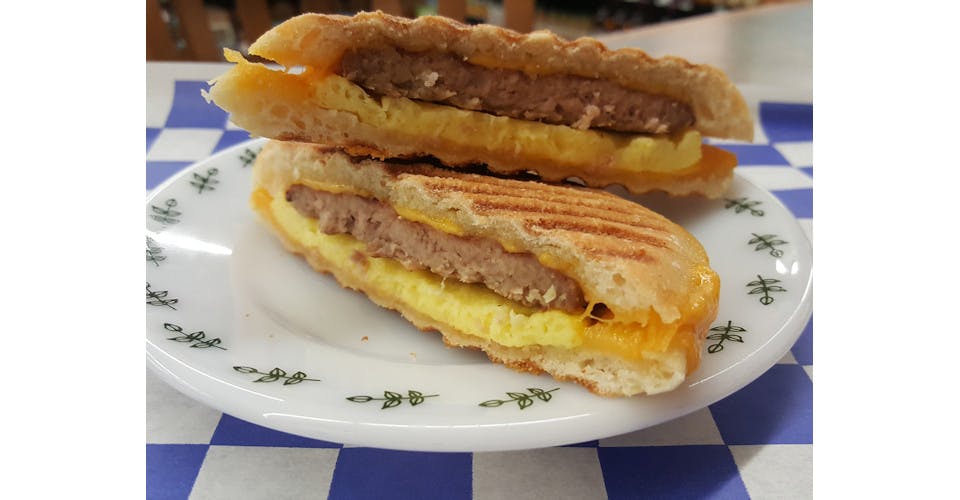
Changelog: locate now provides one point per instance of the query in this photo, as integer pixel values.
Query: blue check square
(777, 408)
(159, 171)
(231, 138)
(803, 349)
(371, 473)
(152, 134)
(783, 122)
(702, 471)
(172, 469)
(191, 110)
(586, 444)
(236, 432)
(755, 154)
(799, 201)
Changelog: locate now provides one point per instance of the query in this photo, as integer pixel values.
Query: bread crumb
(589, 113)
(364, 338)
(430, 78)
(550, 295)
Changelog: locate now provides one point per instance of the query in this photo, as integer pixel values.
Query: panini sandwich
(572, 281)
(387, 87)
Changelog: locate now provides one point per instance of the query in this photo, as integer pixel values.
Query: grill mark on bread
(627, 252)
(517, 276)
(551, 205)
(511, 190)
(598, 204)
(595, 201)
(556, 216)
(584, 227)
(561, 215)
(546, 211)
(600, 213)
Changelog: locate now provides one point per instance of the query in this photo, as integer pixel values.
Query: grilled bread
(572, 281)
(389, 87)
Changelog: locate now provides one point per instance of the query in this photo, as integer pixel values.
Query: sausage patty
(516, 276)
(557, 99)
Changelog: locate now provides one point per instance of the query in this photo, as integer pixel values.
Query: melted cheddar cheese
(440, 224)
(474, 309)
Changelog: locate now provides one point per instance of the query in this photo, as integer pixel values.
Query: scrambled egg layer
(472, 308)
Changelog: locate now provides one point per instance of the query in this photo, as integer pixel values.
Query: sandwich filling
(516, 276)
(291, 106)
(476, 310)
(560, 99)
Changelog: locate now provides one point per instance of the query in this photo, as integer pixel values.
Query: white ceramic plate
(239, 324)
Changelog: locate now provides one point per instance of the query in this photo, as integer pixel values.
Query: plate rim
(439, 441)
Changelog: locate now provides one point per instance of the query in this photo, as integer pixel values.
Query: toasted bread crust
(319, 41)
(623, 255)
(600, 374)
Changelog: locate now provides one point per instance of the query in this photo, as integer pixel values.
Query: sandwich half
(568, 280)
(389, 87)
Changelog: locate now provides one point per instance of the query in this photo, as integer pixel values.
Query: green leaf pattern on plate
(275, 375)
(205, 182)
(166, 215)
(196, 339)
(743, 204)
(159, 298)
(393, 399)
(154, 252)
(767, 242)
(729, 332)
(248, 156)
(765, 286)
(522, 399)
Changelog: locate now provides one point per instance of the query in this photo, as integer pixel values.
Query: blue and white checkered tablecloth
(755, 443)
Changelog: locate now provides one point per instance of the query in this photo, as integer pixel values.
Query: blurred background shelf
(197, 30)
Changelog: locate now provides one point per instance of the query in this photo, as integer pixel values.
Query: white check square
(255, 472)
(781, 471)
(173, 418)
(555, 473)
(697, 428)
(776, 178)
(799, 154)
(788, 359)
